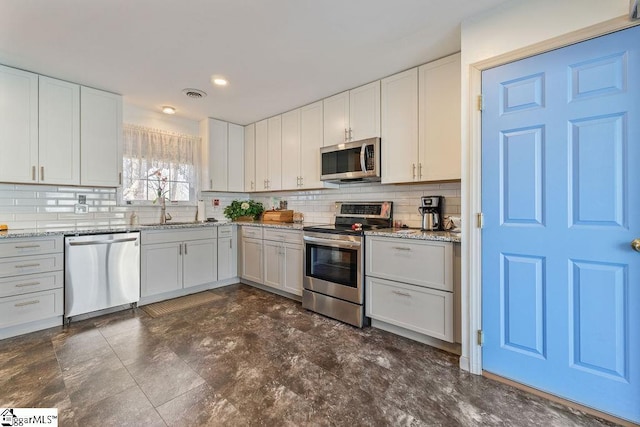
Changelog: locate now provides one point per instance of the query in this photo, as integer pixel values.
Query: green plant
(239, 208)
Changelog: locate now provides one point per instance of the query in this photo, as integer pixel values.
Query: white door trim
(472, 243)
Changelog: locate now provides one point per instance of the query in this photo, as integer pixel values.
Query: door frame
(471, 297)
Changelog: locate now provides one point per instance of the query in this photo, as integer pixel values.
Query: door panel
(561, 196)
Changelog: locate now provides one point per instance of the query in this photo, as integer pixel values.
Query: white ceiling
(277, 54)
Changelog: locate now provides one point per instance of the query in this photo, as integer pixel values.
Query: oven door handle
(332, 243)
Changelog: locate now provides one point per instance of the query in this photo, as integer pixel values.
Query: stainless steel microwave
(351, 161)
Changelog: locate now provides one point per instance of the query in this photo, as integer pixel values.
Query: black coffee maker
(431, 211)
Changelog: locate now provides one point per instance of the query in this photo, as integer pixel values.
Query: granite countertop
(99, 229)
(414, 233)
(271, 224)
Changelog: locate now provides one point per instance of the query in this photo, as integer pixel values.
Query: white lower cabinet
(227, 253)
(410, 284)
(31, 284)
(273, 257)
(424, 310)
(172, 260)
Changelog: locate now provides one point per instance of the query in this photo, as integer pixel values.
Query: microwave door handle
(363, 163)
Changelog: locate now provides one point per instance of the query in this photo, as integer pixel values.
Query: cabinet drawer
(288, 236)
(427, 311)
(252, 232)
(30, 283)
(172, 236)
(35, 246)
(31, 307)
(225, 231)
(30, 265)
(421, 263)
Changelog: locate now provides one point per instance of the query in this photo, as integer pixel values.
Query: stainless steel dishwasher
(101, 271)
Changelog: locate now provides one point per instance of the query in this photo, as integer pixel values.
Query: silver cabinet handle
(400, 248)
(33, 173)
(26, 246)
(419, 170)
(185, 249)
(413, 167)
(22, 304)
(350, 137)
(346, 138)
(402, 294)
(27, 265)
(41, 173)
(180, 249)
(22, 285)
(230, 244)
(119, 178)
(211, 183)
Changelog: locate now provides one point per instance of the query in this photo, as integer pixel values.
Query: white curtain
(147, 151)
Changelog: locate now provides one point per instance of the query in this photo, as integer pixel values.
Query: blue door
(561, 204)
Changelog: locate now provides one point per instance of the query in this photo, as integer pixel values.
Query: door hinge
(480, 337)
(479, 220)
(480, 103)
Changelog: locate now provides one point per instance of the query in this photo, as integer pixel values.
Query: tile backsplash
(45, 206)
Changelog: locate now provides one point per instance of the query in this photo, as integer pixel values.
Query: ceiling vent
(194, 93)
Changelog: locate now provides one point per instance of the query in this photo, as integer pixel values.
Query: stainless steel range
(334, 260)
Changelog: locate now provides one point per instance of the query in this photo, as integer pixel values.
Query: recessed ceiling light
(219, 81)
(167, 109)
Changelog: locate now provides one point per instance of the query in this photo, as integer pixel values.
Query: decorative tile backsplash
(45, 206)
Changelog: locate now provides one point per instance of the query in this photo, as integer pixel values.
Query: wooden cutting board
(278, 216)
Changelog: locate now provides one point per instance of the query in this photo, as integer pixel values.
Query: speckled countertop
(98, 229)
(409, 233)
(286, 225)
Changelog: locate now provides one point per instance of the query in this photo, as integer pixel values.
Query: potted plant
(240, 210)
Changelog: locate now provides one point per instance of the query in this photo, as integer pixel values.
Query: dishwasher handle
(103, 242)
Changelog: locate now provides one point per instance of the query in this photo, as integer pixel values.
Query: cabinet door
(291, 150)
(440, 120)
(399, 144)
(100, 138)
(227, 264)
(274, 164)
(310, 144)
(59, 132)
(427, 311)
(252, 260)
(293, 263)
(336, 118)
(235, 158)
(18, 125)
(199, 262)
(364, 112)
(250, 157)
(160, 268)
(262, 160)
(214, 152)
(273, 263)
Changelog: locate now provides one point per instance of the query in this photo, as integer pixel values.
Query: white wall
(513, 25)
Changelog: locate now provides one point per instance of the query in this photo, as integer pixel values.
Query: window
(157, 160)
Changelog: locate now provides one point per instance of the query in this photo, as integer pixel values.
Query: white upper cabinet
(439, 109)
(235, 156)
(421, 123)
(222, 155)
(100, 138)
(274, 163)
(214, 135)
(291, 150)
(18, 125)
(399, 144)
(352, 115)
(364, 112)
(59, 132)
(310, 143)
(262, 148)
(336, 119)
(250, 157)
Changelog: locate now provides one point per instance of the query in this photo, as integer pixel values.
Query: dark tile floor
(253, 358)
